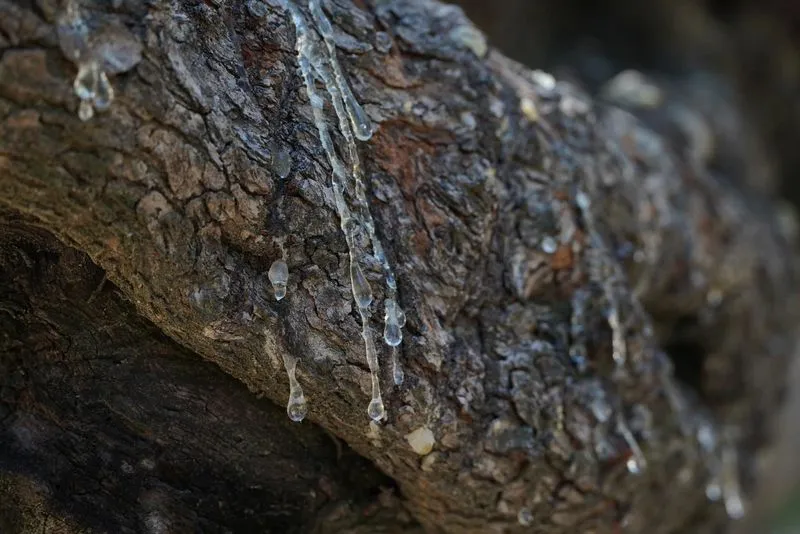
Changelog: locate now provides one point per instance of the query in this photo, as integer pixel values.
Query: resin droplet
(734, 506)
(525, 517)
(73, 33)
(279, 277)
(544, 80)
(619, 348)
(362, 126)
(549, 245)
(104, 94)
(636, 463)
(362, 292)
(85, 84)
(631, 87)
(116, 50)
(321, 63)
(601, 410)
(376, 410)
(397, 372)
(633, 466)
(296, 408)
(392, 333)
(582, 200)
(470, 37)
(323, 24)
(282, 163)
(713, 491)
(731, 492)
(706, 436)
(401, 315)
(85, 110)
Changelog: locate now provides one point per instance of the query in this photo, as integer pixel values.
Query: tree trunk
(599, 320)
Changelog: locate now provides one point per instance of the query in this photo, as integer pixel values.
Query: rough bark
(178, 193)
(125, 431)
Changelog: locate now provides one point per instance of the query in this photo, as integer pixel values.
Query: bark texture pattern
(548, 249)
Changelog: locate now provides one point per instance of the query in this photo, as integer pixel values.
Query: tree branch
(547, 250)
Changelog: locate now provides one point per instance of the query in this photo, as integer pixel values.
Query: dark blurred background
(738, 62)
(746, 50)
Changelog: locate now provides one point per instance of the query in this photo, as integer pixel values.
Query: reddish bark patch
(562, 258)
(397, 146)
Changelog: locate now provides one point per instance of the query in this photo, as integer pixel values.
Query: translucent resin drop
(279, 277)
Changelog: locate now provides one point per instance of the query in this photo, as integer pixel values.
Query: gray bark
(478, 178)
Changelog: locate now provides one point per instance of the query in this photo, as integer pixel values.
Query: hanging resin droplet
(85, 110)
(601, 409)
(323, 24)
(401, 315)
(392, 333)
(116, 50)
(375, 410)
(706, 436)
(636, 463)
(713, 491)
(633, 466)
(549, 245)
(525, 517)
(296, 408)
(362, 292)
(73, 32)
(583, 201)
(393, 336)
(362, 126)
(731, 492)
(619, 348)
(282, 163)
(397, 372)
(734, 506)
(104, 94)
(279, 277)
(85, 84)
(354, 123)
